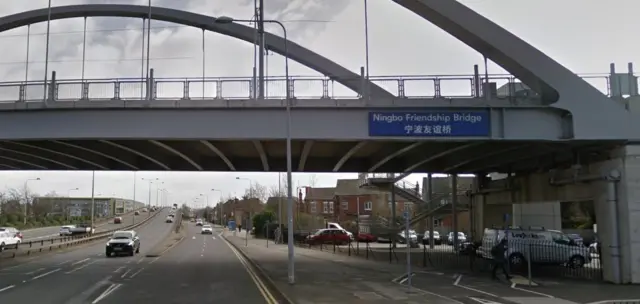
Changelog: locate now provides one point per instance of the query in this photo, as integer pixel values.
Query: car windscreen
(206, 226)
(121, 236)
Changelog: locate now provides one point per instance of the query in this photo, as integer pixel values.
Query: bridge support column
(617, 203)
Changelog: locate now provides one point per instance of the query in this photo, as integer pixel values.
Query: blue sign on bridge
(430, 124)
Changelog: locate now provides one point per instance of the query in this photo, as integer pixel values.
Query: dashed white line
(7, 288)
(106, 293)
(81, 267)
(62, 263)
(125, 273)
(136, 273)
(79, 262)
(35, 271)
(140, 261)
(119, 269)
(46, 274)
(213, 237)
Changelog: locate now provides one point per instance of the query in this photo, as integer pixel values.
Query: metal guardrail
(50, 245)
(230, 88)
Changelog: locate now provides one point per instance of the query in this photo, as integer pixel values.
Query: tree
(280, 189)
(258, 191)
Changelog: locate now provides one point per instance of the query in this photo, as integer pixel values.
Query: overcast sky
(584, 35)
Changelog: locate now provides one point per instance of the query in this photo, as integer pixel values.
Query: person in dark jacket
(499, 260)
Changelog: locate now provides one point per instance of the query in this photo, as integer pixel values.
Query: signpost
(407, 239)
(471, 123)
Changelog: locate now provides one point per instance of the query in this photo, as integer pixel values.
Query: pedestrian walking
(498, 252)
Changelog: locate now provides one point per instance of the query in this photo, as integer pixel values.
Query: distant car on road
(9, 240)
(66, 230)
(169, 219)
(206, 229)
(13, 230)
(123, 242)
(136, 213)
(199, 222)
(117, 220)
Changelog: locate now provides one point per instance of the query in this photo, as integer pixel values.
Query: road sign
(405, 214)
(430, 123)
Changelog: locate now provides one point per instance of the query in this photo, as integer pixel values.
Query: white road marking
(213, 237)
(194, 238)
(78, 268)
(62, 263)
(7, 288)
(140, 260)
(119, 269)
(106, 293)
(125, 273)
(35, 271)
(457, 284)
(514, 286)
(78, 262)
(46, 274)
(136, 273)
(152, 261)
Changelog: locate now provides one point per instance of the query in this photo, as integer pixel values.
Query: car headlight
(131, 243)
(108, 244)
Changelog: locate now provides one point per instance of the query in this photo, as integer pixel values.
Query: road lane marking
(256, 279)
(35, 271)
(7, 288)
(45, 274)
(119, 269)
(457, 284)
(140, 261)
(125, 273)
(62, 263)
(514, 286)
(81, 267)
(213, 237)
(106, 293)
(79, 262)
(136, 273)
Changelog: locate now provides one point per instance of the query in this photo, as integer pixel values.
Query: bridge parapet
(506, 87)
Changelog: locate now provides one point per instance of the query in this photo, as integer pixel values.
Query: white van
(540, 245)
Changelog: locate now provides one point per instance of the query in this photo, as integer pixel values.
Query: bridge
(558, 137)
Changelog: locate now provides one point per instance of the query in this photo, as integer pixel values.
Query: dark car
(117, 220)
(123, 242)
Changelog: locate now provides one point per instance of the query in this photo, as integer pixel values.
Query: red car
(117, 220)
(366, 237)
(329, 236)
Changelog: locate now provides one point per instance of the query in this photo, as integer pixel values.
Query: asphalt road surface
(44, 233)
(200, 269)
(80, 275)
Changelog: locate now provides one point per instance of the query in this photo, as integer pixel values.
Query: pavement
(431, 282)
(79, 274)
(44, 233)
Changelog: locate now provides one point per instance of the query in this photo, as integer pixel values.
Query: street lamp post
(150, 180)
(291, 257)
(250, 185)
(66, 214)
(220, 205)
(26, 198)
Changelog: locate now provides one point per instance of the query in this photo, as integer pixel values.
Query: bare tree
(258, 191)
(280, 189)
(313, 180)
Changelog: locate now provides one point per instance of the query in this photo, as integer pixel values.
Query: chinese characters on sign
(430, 124)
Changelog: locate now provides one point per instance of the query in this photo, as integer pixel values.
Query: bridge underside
(308, 156)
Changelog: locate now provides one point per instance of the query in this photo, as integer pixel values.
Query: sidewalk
(322, 280)
(314, 265)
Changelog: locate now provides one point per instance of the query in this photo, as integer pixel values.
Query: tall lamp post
(150, 180)
(69, 201)
(26, 198)
(291, 257)
(219, 204)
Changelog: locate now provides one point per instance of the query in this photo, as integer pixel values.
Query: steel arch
(274, 43)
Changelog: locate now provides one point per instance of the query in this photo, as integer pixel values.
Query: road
(200, 269)
(79, 275)
(39, 234)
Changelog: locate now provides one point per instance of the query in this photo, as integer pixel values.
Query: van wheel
(517, 260)
(576, 261)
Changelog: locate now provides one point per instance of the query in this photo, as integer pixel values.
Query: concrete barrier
(173, 237)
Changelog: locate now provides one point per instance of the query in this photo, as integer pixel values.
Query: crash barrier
(531, 259)
(50, 245)
(98, 223)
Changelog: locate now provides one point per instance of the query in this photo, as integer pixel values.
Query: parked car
(436, 238)
(366, 237)
(329, 236)
(123, 242)
(413, 237)
(462, 238)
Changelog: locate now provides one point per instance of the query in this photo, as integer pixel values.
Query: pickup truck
(82, 229)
